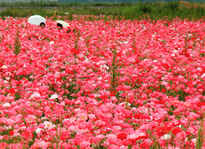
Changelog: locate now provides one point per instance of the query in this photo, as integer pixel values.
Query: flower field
(116, 84)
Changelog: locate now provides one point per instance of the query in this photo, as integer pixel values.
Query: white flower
(8, 127)
(190, 35)
(166, 137)
(194, 141)
(54, 96)
(203, 75)
(100, 78)
(180, 126)
(7, 78)
(5, 82)
(44, 118)
(4, 67)
(24, 65)
(7, 105)
(52, 42)
(65, 120)
(35, 95)
(38, 130)
(17, 134)
(199, 68)
(86, 59)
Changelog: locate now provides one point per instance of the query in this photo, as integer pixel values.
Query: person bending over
(42, 24)
(60, 26)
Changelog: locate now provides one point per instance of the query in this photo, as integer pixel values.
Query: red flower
(149, 91)
(176, 130)
(141, 116)
(26, 135)
(163, 130)
(163, 90)
(74, 51)
(112, 93)
(11, 132)
(137, 116)
(11, 91)
(64, 136)
(122, 136)
(199, 104)
(144, 145)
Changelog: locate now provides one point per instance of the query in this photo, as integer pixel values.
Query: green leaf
(17, 96)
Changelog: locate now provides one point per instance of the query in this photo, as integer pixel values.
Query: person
(42, 24)
(60, 26)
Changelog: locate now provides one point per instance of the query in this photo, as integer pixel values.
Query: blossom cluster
(113, 84)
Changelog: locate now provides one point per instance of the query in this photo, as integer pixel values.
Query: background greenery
(155, 10)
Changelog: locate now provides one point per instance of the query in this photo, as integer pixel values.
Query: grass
(200, 137)
(155, 10)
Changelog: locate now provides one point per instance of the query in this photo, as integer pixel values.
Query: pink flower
(26, 134)
(111, 138)
(100, 123)
(40, 144)
(30, 119)
(82, 116)
(116, 129)
(192, 116)
(137, 136)
(91, 116)
(16, 146)
(3, 145)
(98, 138)
(85, 144)
(48, 125)
(181, 136)
(10, 122)
(113, 147)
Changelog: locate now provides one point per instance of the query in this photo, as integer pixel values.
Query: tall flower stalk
(17, 43)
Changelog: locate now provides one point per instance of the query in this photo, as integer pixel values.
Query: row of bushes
(155, 10)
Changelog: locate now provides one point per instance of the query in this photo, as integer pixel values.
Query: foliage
(155, 10)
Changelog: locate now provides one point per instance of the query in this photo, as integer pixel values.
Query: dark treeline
(84, 2)
(120, 1)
